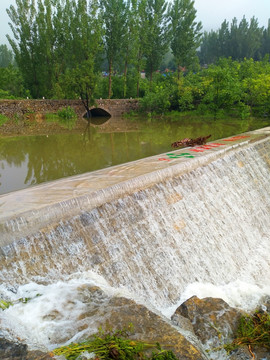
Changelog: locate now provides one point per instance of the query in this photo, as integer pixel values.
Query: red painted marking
(234, 138)
(215, 144)
(197, 150)
(206, 147)
(163, 159)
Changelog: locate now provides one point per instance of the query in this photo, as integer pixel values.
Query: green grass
(115, 346)
(3, 119)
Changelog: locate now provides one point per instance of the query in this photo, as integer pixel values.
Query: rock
(240, 354)
(10, 350)
(149, 327)
(16, 351)
(243, 353)
(117, 313)
(213, 320)
(266, 304)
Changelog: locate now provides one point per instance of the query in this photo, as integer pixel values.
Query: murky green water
(26, 161)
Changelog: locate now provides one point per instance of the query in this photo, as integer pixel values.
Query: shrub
(157, 101)
(67, 113)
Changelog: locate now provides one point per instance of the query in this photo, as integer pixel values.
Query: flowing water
(203, 231)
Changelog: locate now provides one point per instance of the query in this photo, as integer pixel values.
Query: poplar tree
(84, 45)
(186, 32)
(6, 56)
(114, 13)
(24, 44)
(140, 43)
(156, 33)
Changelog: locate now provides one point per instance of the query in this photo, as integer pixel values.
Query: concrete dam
(155, 227)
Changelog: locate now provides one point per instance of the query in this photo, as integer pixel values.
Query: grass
(65, 117)
(3, 119)
(114, 346)
(253, 330)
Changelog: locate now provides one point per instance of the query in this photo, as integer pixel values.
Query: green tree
(80, 80)
(24, 42)
(11, 82)
(208, 50)
(186, 32)
(224, 88)
(156, 34)
(265, 48)
(6, 56)
(140, 43)
(114, 13)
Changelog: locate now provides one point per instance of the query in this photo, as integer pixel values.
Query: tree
(224, 89)
(140, 44)
(80, 77)
(156, 34)
(265, 49)
(6, 56)
(208, 50)
(186, 32)
(24, 44)
(11, 82)
(114, 14)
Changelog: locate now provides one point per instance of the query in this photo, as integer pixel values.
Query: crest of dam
(152, 226)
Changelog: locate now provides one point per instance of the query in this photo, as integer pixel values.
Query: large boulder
(118, 312)
(213, 320)
(215, 323)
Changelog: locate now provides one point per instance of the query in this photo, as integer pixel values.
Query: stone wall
(114, 107)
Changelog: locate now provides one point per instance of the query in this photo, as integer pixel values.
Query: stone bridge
(106, 107)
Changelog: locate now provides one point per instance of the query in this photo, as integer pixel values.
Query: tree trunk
(178, 71)
(110, 79)
(125, 79)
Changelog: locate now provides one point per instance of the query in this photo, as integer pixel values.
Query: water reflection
(26, 161)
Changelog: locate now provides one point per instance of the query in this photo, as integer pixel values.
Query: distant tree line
(98, 48)
(61, 46)
(238, 41)
(227, 88)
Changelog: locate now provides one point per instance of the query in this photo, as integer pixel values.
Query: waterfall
(208, 224)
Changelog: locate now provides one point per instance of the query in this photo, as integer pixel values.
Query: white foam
(237, 294)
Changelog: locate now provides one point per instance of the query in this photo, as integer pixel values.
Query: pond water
(29, 160)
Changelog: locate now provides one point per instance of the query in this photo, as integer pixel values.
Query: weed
(114, 346)
(3, 119)
(67, 113)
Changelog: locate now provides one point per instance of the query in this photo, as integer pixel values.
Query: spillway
(152, 227)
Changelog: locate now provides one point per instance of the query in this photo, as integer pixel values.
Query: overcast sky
(210, 12)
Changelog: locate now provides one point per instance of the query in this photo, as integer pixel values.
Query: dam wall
(152, 226)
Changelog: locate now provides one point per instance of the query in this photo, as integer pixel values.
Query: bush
(157, 101)
(67, 113)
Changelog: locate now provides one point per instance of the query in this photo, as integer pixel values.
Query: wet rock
(213, 320)
(243, 353)
(10, 350)
(266, 304)
(148, 327)
(16, 351)
(117, 313)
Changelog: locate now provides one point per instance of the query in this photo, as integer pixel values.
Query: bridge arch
(98, 112)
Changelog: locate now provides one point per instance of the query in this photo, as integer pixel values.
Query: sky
(210, 12)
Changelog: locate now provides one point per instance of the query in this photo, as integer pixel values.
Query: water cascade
(165, 225)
